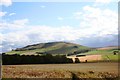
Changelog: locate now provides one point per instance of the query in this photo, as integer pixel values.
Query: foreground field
(81, 70)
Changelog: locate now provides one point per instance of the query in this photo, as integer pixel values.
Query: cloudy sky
(93, 23)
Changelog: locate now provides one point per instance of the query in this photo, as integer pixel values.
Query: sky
(93, 23)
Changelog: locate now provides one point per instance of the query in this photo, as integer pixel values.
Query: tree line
(79, 51)
(34, 59)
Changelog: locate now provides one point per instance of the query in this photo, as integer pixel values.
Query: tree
(77, 60)
(115, 52)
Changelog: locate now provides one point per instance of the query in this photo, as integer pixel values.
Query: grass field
(80, 70)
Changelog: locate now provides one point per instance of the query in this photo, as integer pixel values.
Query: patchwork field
(80, 70)
(106, 54)
(99, 63)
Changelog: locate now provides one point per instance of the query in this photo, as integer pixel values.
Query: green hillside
(49, 48)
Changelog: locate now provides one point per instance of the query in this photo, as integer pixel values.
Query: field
(106, 54)
(105, 67)
(80, 70)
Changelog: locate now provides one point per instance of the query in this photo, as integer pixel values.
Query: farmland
(106, 54)
(48, 60)
(80, 70)
(66, 48)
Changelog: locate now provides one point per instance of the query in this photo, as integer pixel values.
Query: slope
(49, 48)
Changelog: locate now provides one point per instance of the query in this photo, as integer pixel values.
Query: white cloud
(11, 14)
(77, 15)
(16, 25)
(2, 14)
(99, 22)
(47, 33)
(22, 35)
(20, 22)
(39, 34)
(60, 18)
(1, 46)
(33, 34)
(6, 2)
(1, 37)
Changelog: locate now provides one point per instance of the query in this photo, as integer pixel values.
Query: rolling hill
(50, 48)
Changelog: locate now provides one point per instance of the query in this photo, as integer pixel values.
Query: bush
(77, 60)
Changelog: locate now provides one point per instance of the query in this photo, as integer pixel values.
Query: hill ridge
(50, 47)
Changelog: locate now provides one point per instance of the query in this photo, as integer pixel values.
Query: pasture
(80, 70)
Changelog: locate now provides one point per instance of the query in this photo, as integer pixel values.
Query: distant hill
(50, 48)
(108, 48)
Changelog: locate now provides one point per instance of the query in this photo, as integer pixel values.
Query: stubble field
(80, 70)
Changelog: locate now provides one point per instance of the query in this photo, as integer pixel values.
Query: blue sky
(91, 24)
(45, 13)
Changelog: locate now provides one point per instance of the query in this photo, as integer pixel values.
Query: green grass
(99, 52)
(110, 57)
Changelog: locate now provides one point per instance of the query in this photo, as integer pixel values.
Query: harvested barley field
(89, 58)
(80, 70)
